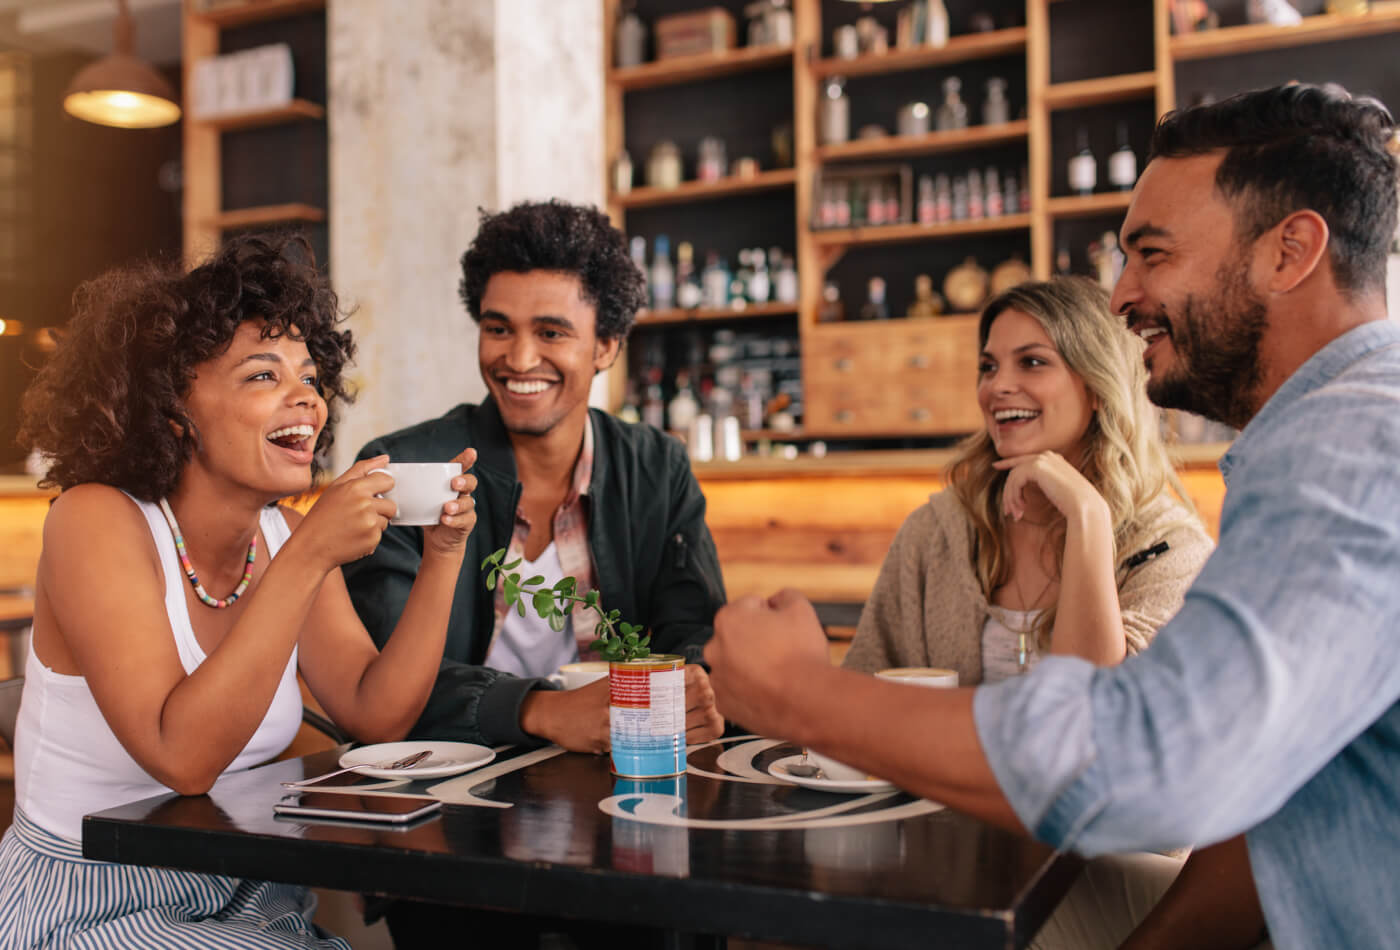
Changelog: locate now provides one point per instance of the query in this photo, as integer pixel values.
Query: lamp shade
(122, 91)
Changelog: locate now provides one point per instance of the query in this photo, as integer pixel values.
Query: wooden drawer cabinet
(891, 378)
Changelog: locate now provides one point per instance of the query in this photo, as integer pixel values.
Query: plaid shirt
(571, 541)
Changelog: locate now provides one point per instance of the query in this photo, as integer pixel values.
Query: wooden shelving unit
(1085, 206)
(1253, 38)
(205, 217)
(1096, 92)
(255, 11)
(265, 216)
(752, 311)
(707, 190)
(901, 233)
(959, 49)
(820, 253)
(895, 146)
(680, 69)
(295, 111)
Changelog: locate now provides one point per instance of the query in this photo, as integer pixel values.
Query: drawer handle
(843, 415)
(919, 361)
(844, 364)
(919, 414)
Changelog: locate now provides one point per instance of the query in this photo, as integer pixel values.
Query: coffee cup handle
(391, 475)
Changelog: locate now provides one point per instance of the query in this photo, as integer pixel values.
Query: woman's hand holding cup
(458, 517)
(348, 519)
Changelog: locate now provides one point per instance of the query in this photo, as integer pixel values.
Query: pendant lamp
(121, 90)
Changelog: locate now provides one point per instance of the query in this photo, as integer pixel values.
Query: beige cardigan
(928, 609)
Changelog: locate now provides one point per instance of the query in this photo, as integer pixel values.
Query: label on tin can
(648, 720)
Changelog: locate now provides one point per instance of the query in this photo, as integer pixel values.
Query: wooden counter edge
(888, 462)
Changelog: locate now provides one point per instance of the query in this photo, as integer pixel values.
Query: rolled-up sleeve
(1286, 649)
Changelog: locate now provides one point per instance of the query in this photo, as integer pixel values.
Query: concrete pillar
(437, 108)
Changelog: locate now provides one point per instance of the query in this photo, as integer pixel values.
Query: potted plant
(647, 690)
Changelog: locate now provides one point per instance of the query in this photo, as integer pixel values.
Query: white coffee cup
(420, 490)
(574, 675)
(920, 676)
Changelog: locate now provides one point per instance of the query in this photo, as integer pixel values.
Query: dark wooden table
(741, 855)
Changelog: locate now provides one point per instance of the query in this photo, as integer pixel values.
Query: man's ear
(1296, 248)
(605, 353)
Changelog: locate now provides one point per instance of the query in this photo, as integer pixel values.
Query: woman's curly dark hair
(557, 236)
(108, 405)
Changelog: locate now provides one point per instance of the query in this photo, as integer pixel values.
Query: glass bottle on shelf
(835, 118)
(1023, 194)
(831, 309)
(976, 207)
(622, 173)
(683, 407)
(892, 211)
(992, 197)
(952, 114)
(638, 251)
(874, 307)
(786, 281)
(874, 204)
(1062, 263)
(960, 198)
(928, 207)
(750, 408)
(842, 191)
(663, 275)
(630, 38)
(653, 409)
(688, 292)
(1010, 200)
(1083, 169)
(760, 286)
(942, 199)
(1122, 164)
(712, 161)
(716, 281)
(936, 24)
(995, 109)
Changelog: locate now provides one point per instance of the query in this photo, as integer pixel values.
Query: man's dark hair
(108, 406)
(561, 237)
(1299, 147)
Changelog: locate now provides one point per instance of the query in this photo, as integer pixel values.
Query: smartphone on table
(379, 809)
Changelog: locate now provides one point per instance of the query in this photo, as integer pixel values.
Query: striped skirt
(50, 896)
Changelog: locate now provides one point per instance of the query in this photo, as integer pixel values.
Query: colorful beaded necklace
(189, 568)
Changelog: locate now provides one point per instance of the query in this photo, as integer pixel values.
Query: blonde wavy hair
(1122, 456)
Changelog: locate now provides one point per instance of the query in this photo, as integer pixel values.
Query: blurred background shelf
(1084, 206)
(978, 136)
(295, 111)
(256, 11)
(1321, 28)
(752, 311)
(706, 190)
(959, 49)
(898, 233)
(701, 66)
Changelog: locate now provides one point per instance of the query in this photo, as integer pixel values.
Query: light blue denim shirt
(1269, 703)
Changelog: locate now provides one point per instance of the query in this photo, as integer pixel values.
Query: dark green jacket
(652, 554)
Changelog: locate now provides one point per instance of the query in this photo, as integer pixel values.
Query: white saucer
(446, 758)
(859, 786)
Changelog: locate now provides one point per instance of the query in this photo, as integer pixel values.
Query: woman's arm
(1088, 618)
(1212, 905)
(377, 695)
(109, 607)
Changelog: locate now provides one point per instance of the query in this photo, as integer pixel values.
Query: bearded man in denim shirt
(1263, 720)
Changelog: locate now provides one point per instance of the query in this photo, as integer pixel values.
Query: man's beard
(1216, 345)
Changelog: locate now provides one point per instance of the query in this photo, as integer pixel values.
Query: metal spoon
(805, 769)
(407, 762)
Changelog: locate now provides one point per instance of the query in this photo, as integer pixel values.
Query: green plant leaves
(615, 640)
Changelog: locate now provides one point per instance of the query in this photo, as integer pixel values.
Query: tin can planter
(648, 716)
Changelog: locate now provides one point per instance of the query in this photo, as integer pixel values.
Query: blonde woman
(1063, 529)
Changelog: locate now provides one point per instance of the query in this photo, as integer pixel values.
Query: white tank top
(69, 763)
(526, 646)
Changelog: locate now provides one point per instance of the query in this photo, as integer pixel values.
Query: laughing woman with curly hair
(176, 600)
